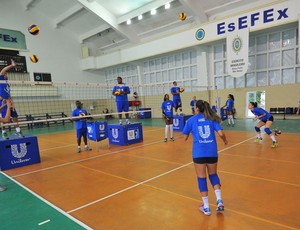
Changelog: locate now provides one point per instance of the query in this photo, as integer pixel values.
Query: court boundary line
(224, 171)
(173, 170)
(197, 200)
(240, 213)
(130, 148)
(150, 179)
(86, 159)
(259, 178)
(64, 146)
(48, 203)
(231, 210)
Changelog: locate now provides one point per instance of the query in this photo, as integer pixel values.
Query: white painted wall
(59, 52)
(186, 38)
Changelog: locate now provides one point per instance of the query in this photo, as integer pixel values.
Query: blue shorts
(122, 106)
(81, 133)
(177, 103)
(205, 160)
(13, 112)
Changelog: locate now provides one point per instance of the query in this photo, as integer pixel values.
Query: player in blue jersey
(229, 106)
(8, 104)
(175, 91)
(5, 119)
(193, 104)
(167, 111)
(205, 151)
(5, 95)
(120, 91)
(265, 119)
(81, 127)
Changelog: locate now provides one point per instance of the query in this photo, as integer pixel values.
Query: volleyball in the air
(181, 90)
(182, 16)
(33, 29)
(34, 58)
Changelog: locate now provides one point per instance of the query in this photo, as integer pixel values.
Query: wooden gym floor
(152, 185)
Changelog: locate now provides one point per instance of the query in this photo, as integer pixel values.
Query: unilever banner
(237, 52)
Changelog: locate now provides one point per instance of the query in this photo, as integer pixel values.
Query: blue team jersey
(259, 111)
(204, 138)
(175, 90)
(79, 123)
(167, 107)
(229, 104)
(122, 88)
(4, 88)
(193, 103)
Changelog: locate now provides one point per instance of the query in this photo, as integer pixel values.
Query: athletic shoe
(120, 122)
(220, 205)
(275, 144)
(78, 150)
(172, 139)
(128, 122)
(165, 140)
(232, 125)
(206, 211)
(5, 136)
(19, 134)
(2, 188)
(258, 139)
(88, 148)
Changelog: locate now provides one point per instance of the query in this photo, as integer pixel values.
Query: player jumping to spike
(5, 95)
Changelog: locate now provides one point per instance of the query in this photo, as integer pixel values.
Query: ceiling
(101, 24)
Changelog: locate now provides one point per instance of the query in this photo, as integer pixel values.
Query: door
(255, 96)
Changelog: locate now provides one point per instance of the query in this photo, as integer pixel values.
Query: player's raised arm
(7, 68)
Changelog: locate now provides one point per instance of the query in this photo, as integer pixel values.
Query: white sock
(120, 121)
(218, 194)
(18, 129)
(78, 147)
(231, 118)
(86, 146)
(205, 201)
(166, 131)
(171, 130)
(3, 131)
(228, 119)
(273, 138)
(259, 135)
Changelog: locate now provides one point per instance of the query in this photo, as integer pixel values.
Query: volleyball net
(37, 102)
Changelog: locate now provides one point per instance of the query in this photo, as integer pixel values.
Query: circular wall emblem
(237, 44)
(200, 34)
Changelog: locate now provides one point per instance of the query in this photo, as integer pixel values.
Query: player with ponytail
(265, 119)
(205, 151)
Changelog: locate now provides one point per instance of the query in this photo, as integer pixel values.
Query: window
(273, 60)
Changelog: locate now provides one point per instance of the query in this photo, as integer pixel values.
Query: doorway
(255, 96)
